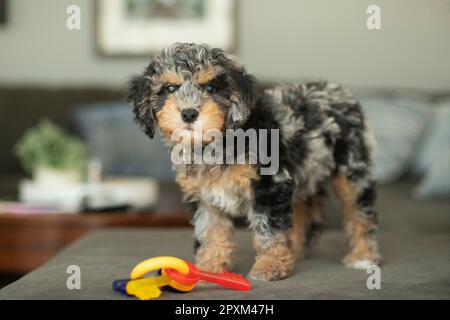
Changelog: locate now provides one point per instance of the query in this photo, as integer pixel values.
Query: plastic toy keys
(224, 279)
(147, 288)
(174, 273)
(158, 263)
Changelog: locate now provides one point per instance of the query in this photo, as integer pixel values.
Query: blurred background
(72, 160)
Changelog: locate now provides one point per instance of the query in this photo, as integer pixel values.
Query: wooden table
(26, 241)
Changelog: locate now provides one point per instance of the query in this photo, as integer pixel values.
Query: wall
(278, 40)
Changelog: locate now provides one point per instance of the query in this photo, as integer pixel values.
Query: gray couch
(414, 239)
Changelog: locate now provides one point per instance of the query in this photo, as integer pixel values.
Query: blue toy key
(120, 286)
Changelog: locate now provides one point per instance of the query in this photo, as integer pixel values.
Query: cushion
(433, 156)
(397, 124)
(114, 139)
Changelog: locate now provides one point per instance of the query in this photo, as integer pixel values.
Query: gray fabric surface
(414, 240)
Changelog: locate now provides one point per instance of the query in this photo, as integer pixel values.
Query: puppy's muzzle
(189, 115)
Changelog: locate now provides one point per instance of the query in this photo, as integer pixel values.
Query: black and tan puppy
(323, 138)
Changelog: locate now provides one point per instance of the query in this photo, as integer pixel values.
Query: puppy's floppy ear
(139, 97)
(243, 96)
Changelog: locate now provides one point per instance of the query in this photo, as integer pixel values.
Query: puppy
(322, 137)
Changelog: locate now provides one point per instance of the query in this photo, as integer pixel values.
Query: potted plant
(51, 155)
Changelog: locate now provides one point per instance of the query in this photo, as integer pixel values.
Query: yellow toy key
(147, 288)
(148, 293)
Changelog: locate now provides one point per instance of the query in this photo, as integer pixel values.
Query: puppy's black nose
(189, 115)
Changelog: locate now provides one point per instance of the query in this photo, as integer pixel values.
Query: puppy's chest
(228, 190)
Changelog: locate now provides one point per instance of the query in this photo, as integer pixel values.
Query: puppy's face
(191, 88)
(188, 101)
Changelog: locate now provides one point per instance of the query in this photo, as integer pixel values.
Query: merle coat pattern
(323, 138)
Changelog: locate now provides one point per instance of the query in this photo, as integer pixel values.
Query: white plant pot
(52, 177)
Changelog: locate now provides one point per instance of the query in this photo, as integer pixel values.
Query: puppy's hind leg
(360, 220)
(306, 226)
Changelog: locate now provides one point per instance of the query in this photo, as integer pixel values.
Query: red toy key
(224, 279)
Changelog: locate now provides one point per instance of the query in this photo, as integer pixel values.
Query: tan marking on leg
(363, 246)
(275, 258)
(304, 214)
(216, 251)
(299, 222)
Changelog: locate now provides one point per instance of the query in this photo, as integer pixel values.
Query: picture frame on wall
(144, 27)
(3, 12)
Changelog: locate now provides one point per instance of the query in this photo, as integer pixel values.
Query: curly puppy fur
(323, 137)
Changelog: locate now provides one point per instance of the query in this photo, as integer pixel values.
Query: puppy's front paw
(269, 269)
(212, 260)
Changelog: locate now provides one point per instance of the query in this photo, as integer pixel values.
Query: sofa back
(22, 108)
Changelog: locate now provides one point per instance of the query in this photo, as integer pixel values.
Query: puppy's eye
(171, 88)
(210, 88)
